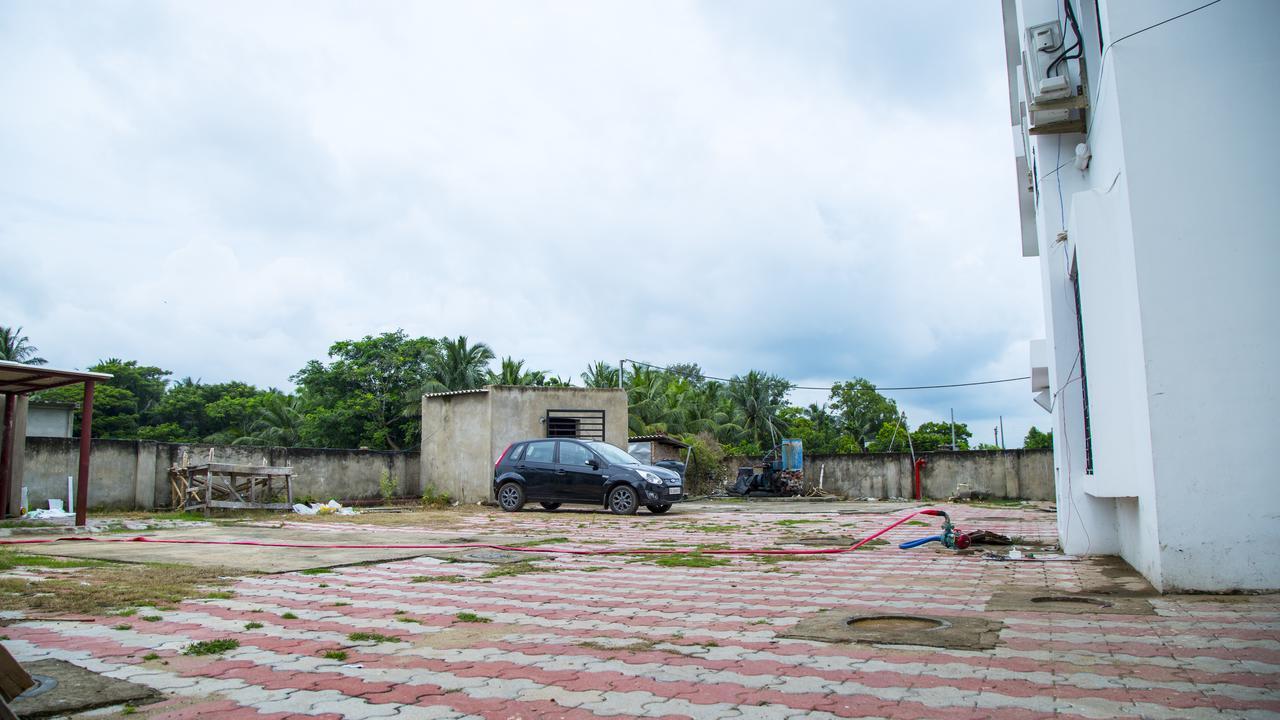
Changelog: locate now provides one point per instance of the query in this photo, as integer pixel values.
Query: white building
(1159, 252)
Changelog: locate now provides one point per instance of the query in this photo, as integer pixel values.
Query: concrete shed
(465, 431)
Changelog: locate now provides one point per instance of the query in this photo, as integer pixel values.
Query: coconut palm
(513, 373)
(757, 397)
(15, 347)
(600, 374)
(278, 423)
(458, 365)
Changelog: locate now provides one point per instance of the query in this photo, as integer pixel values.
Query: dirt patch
(854, 625)
(103, 587)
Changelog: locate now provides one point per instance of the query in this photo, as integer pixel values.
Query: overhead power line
(826, 388)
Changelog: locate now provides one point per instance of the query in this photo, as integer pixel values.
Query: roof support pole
(6, 452)
(86, 435)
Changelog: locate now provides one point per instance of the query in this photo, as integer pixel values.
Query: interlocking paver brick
(600, 636)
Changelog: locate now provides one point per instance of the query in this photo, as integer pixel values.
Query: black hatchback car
(553, 472)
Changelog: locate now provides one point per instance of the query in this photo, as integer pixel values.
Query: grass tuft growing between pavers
(211, 647)
(373, 637)
(470, 617)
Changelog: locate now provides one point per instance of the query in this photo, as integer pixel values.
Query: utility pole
(995, 434)
(620, 364)
(1002, 447)
(953, 429)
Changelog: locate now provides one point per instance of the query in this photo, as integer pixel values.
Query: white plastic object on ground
(333, 507)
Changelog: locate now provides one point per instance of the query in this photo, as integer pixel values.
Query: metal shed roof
(22, 379)
(664, 439)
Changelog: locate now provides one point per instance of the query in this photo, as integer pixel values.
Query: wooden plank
(14, 680)
(249, 506)
(228, 468)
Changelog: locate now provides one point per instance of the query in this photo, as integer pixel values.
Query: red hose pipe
(920, 463)
(540, 549)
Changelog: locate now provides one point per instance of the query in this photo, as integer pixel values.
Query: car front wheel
(550, 506)
(659, 508)
(623, 500)
(510, 497)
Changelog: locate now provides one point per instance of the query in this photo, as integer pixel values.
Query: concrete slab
(66, 688)
(258, 559)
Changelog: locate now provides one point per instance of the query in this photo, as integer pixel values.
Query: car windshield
(613, 455)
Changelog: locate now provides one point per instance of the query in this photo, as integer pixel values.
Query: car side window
(516, 453)
(542, 451)
(574, 454)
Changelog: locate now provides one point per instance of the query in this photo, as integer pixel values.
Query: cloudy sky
(819, 189)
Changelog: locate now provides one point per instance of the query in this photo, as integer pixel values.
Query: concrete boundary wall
(1006, 474)
(134, 474)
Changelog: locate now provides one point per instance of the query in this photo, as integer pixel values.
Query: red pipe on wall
(920, 463)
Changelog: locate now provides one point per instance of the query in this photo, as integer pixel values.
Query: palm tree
(600, 374)
(758, 397)
(15, 347)
(458, 365)
(513, 373)
(279, 422)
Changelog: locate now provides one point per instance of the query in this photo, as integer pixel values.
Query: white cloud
(224, 189)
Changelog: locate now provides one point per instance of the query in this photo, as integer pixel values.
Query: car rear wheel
(510, 497)
(623, 500)
(550, 506)
(659, 508)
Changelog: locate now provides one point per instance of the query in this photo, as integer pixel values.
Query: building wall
(457, 446)
(49, 420)
(463, 435)
(134, 474)
(1172, 231)
(1005, 474)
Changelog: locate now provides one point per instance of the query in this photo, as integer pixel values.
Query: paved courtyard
(566, 636)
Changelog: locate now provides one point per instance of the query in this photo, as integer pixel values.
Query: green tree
(512, 372)
(367, 395)
(458, 365)
(757, 397)
(932, 436)
(1036, 440)
(15, 347)
(600, 374)
(861, 409)
(278, 422)
(891, 437)
(121, 405)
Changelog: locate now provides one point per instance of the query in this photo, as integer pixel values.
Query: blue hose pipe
(917, 543)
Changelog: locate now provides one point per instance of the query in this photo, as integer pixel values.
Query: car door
(579, 472)
(538, 467)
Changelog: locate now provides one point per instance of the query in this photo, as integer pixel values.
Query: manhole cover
(841, 625)
(44, 683)
(1069, 599)
(1039, 600)
(896, 623)
(500, 557)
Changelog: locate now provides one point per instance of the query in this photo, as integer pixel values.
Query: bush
(432, 498)
(705, 473)
(388, 485)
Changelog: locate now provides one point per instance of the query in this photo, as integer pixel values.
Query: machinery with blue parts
(779, 474)
(951, 538)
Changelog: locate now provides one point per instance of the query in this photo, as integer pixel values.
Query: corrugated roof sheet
(449, 393)
(665, 439)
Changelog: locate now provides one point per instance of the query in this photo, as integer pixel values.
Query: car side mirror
(594, 463)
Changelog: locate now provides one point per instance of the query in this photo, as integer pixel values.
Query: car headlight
(650, 477)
